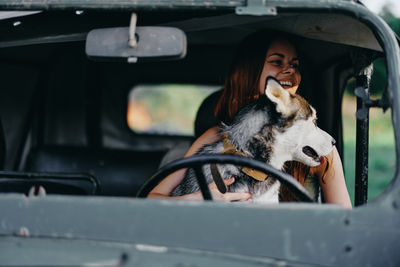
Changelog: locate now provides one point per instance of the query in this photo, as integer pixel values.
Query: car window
(381, 153)
(166, 108)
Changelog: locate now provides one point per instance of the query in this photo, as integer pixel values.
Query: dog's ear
(281, 97)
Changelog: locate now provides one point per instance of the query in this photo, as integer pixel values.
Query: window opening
(166, 108)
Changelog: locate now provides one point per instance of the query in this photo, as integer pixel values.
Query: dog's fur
(276, 128)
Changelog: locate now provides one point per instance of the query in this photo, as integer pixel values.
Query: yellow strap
(230, 148)
(258, 175)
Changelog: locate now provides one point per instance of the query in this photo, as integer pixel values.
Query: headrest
(205, 118)
(2, 146)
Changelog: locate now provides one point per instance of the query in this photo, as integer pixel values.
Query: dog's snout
(333, 142)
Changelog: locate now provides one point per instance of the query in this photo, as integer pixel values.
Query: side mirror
(152, 44)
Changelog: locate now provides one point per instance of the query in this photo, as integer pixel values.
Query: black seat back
(119, 172)
(52, 183)
(2, 146)
(205, 118)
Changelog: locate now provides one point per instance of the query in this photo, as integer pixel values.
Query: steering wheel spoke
(201, 180)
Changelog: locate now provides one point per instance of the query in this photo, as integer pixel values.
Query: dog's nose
(333, 142)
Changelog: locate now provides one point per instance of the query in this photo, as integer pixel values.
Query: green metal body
(105, 231)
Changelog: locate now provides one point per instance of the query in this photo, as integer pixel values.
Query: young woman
(261, 55)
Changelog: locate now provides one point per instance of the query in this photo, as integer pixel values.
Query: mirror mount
(136, 44)
(132, 31)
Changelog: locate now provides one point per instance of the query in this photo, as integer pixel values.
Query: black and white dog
(277, 127)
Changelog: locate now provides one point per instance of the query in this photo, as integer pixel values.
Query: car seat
(50, 183)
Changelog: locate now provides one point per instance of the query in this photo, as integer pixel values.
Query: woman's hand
(215, 193)
(218, 196)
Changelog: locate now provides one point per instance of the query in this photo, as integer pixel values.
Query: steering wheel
(197, 161)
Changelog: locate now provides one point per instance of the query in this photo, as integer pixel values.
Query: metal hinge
(256, 8)
(361, 92)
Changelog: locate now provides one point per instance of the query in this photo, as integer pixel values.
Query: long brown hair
(242, 87)
(243, 78)
(300, 171)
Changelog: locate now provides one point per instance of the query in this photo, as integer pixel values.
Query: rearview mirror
(153, 44)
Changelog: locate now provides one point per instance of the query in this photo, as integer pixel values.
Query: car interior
(64, 114)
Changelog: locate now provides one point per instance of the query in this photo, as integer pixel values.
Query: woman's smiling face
(281, 63)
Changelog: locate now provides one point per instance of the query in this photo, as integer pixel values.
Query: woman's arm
(332, 182)
(165, 187)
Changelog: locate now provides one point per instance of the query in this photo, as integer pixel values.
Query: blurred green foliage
(382, 156)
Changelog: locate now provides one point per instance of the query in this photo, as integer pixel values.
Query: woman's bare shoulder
(208, 137)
